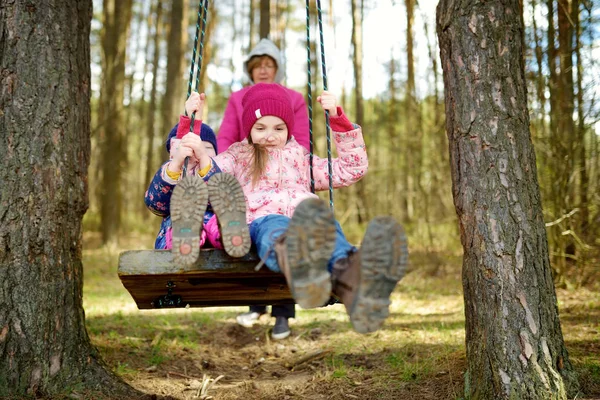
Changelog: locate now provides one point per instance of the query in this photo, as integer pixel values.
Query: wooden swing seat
(155, 281)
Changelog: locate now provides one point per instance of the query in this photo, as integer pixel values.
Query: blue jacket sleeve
(158, 195)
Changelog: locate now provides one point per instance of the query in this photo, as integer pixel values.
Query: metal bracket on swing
(169, 299)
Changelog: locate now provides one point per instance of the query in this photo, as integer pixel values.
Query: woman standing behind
(264, 65)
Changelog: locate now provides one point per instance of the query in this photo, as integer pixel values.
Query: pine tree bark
(45, 146)
(515, 347)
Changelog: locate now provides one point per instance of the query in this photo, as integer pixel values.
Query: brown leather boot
(303, 253)
(345, 279)
(365, 280)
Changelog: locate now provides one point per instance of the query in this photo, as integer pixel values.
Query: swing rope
(324, 74)
(200, 27)
(309, 93)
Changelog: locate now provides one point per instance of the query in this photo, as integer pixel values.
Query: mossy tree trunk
(515, 347)
(45, 145)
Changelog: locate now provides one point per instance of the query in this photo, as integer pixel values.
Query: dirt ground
(242, 363)
(223, 360)
(418, 354)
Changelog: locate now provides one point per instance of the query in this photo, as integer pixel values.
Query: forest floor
(418, 354)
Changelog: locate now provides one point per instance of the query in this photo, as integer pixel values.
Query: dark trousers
(281, 310)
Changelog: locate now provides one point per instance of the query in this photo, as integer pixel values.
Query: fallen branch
(316, 355)
(183, 375)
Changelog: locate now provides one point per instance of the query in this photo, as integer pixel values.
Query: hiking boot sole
(188, 205)
(228, 202)
(310, 241)
(384, 259)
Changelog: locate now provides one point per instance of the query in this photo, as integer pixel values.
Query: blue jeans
(265, 230)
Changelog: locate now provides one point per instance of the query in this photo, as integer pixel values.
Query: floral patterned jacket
(286, 180)
(158, 200)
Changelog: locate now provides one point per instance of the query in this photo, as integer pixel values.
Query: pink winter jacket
(286, 181)
(230, 130)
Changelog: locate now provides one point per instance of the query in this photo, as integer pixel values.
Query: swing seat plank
(214, 280)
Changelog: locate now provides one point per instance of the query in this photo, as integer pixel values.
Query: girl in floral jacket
(293, 230)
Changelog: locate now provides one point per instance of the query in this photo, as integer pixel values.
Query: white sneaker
(248, 319)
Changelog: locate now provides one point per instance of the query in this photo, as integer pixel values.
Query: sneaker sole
(228, 202)
(188, 204)
(310, 241)
(384, 259)
(240, 321)
(280, 336)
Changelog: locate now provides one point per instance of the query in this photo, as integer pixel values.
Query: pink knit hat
(266, 99)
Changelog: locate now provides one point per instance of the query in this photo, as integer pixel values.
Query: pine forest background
(383, 64)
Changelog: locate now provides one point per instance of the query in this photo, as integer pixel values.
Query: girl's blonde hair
(260, 156)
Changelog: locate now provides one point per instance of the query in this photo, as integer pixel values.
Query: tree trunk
(556, 191)
(515, 347)
(143, 106)
(151, 115)
(357, 59)
(45, 146)
(174, 97)
(565, 133)
(212, 19)
(251, 26)
(235, 32)
(552, 85)
(132, 187)
(539, 130)
(393, 148)
(439, 177)
(136, 38)
(265, 18)
(582, 167)
(540, 76)
(281, 20)
(117, 16)
(412, 132)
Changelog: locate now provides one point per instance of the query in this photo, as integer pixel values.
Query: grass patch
(419, 353)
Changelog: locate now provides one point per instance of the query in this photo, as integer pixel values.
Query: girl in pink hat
(295, 232)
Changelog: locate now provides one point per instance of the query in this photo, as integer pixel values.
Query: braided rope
(200, 26)
(309, 94)
(189, 92)
(324, 72)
